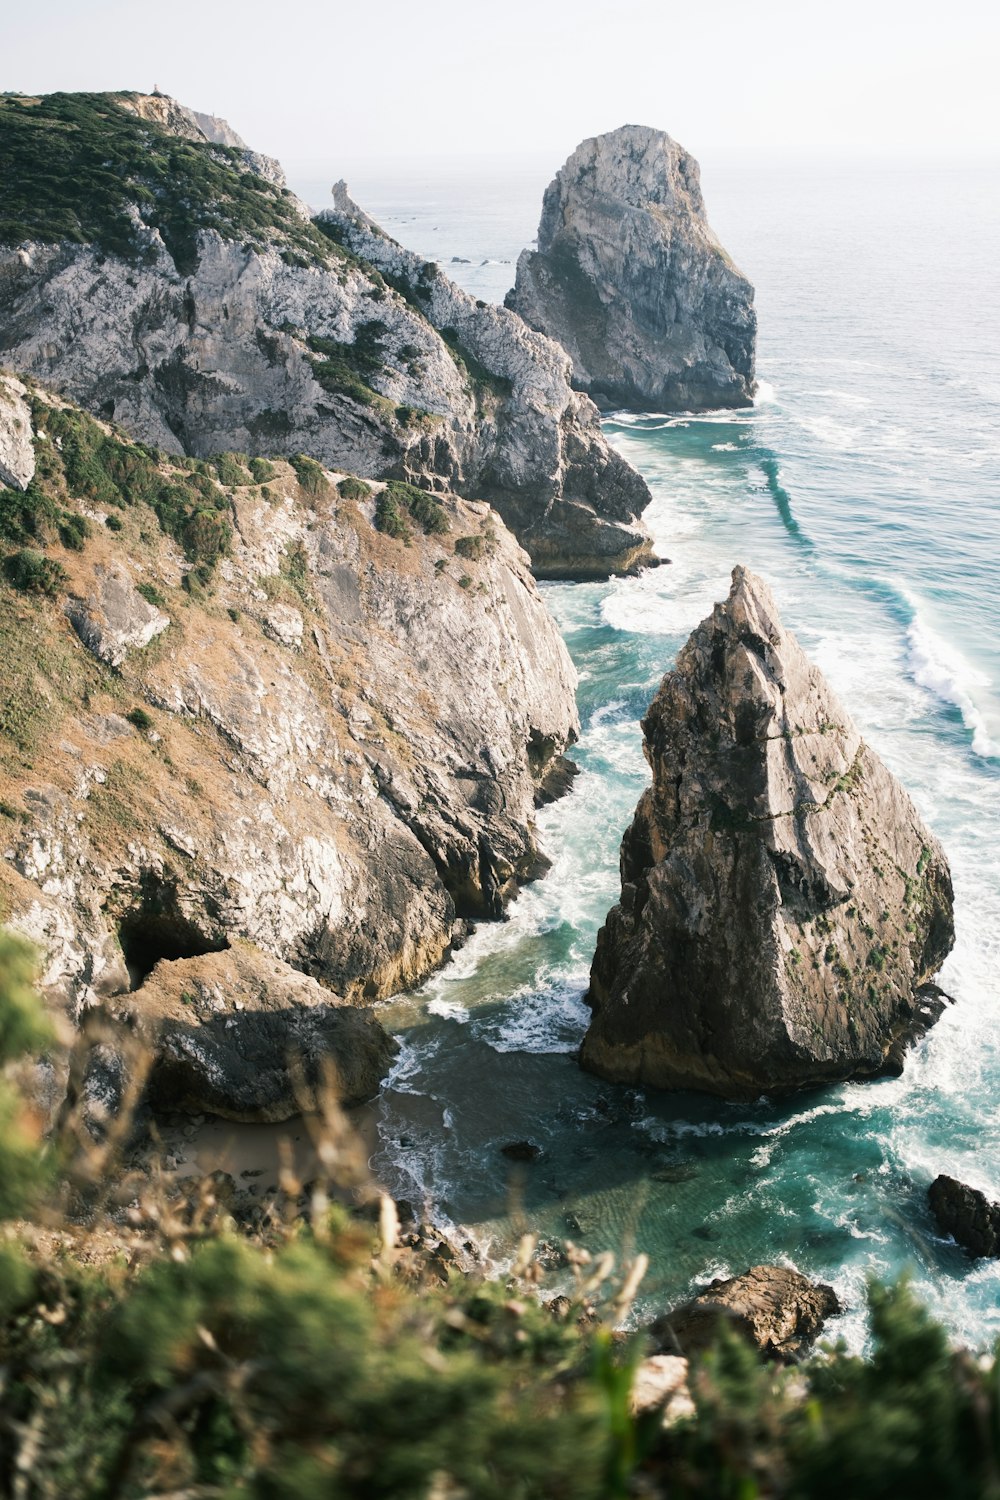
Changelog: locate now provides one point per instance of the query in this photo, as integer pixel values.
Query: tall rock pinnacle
(783, 907)
(630, 279)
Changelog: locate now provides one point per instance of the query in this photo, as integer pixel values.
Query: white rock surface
(17, 454)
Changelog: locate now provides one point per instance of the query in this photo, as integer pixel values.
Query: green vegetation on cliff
(314, 1356)
(73, 165)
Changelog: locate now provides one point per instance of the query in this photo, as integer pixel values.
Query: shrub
(140, 719)
(262, 471)
(151, 594)
(230, 469)
(474, 548)
(353, 489)
(114, 523)
(390, 519)
(428, 513)
(34, 573)
(310, 475)
(73, 531)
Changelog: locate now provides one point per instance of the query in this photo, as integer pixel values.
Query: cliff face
(783, 906)
(189, 298)
(630, 279)
(241, 704)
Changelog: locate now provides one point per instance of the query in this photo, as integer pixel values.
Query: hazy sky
(318, 83)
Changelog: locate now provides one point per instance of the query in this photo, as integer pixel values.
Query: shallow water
(865, 486)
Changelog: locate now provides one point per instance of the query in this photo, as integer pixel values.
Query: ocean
(865, 487)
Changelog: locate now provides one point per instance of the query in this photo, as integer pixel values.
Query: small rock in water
(521, 1151)
(967, 1215)
(777, 1310)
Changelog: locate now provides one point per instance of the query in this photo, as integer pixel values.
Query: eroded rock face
(777, 1310)
(536, 452)
(967, 1215)
(334, 753)
(783, 906)
(241, 1035)
(17, 453)
(367, 359)
(630, 279)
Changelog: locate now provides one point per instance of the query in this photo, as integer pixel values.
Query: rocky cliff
(783, 906)
(162, 275)
(630, 279)
(246, 701)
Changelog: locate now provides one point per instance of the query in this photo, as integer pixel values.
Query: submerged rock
(240, 1034)
(630, 279)
(777, 1310)
(783, 906)
(967, 1215)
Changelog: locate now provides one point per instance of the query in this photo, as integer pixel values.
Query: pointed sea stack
(630, 279)
(783, 906)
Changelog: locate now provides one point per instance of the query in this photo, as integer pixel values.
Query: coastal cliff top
(76, 167)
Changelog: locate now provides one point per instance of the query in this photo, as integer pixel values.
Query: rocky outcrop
(539, 457)
(777, 1310)
(967, 1215)
(241, 1035)
(205, 313)
(783, 906)
(115, 619)
(17, 452)
(333, 753)
(630, 279)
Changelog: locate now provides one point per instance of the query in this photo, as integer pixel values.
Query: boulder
(783, 907)
(967, 1215)
(630, 279)
(239, 1034)
(115, 619)
(777, 1310)
(17, 452)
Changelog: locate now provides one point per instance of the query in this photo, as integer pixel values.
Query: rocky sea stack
(630, 279)
(783, 909)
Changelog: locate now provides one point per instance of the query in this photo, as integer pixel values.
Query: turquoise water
(865, 486)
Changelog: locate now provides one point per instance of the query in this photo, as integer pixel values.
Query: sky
(357, 84)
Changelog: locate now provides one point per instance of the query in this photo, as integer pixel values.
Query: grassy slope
(72, 164)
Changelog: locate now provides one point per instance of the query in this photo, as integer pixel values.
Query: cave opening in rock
(157, 927)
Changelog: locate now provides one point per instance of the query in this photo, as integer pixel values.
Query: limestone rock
(115, 619)
(346, 806)
(783, 906)
(777, 1310)
(630, 279)
(356, 353)
(967, 1215)
(17, 452)
(241, 1035)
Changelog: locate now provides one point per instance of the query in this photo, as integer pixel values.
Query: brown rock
(783, 906)
(967, 1215)
(775, 1309)
(241, 1035)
